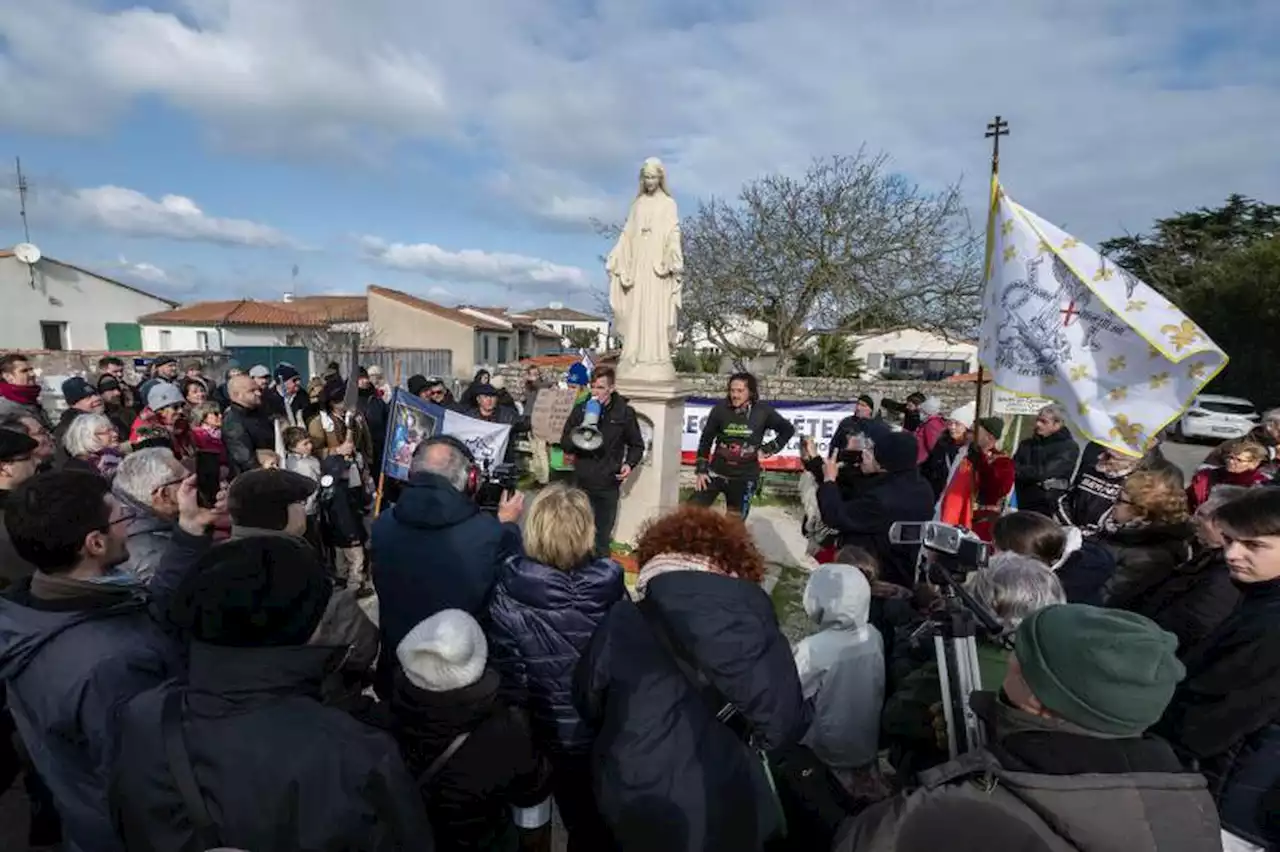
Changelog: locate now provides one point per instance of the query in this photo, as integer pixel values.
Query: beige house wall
(398, 326)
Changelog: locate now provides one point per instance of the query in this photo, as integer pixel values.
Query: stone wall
(55, 366)
(952, 394)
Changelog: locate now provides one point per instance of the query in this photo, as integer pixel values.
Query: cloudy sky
(459, 150)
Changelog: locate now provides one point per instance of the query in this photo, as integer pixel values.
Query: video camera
(495, 481)
(953, 548)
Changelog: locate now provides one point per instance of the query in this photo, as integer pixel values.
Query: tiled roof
(516, 318)
(562, 314)
(439, 310)
(98, 275)
(331, 308)
(301, 311)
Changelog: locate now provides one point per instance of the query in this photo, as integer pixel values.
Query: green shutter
(124, 337)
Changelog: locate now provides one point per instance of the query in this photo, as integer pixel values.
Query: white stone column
(654, 488)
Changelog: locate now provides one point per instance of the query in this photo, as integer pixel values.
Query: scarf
(1075, 541)
(21, 394)
(668, 563)
(105, 461)
(118, 586)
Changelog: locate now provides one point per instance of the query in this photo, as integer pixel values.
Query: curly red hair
(721, 539)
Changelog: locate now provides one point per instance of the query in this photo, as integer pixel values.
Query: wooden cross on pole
(996, 129)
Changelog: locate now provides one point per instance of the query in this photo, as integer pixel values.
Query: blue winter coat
(434, 550)
(541, 619)
(69, 672)
(667, 773)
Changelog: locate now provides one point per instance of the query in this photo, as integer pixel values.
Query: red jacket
(995, 472)
(1205, 479)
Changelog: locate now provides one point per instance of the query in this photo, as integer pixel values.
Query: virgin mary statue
(644, 278)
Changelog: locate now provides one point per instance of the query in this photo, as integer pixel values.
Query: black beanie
(871, 403)
(896, 451)
(261, 591)
(994, 425)
(417, 384)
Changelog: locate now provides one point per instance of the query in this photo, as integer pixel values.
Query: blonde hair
(268, 458)
(560, 528)
(1157, 495)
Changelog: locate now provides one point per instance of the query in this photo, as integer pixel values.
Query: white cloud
(471, 266)
(117, 210)
(143, 271)
(1122, 110)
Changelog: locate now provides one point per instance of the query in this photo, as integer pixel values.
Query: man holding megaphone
(603, 434)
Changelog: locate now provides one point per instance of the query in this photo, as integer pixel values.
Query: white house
(54, 305)
(914, 353)
(743, 335)
(563, 320)
(254, 331)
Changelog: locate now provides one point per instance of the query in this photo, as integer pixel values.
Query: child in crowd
(299, 459)
(268, 460)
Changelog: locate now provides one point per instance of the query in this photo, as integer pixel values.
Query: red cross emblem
(1068, 312)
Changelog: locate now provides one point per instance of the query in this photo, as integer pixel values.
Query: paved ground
(1186, 456)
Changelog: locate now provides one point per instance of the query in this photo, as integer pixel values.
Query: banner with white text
(812, 419)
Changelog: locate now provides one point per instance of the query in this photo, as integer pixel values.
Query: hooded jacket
(469, 800)
(1045, 785)
(541, 621)
(1044, 468)
(842, 668)
(278, 770)
(623, 444)
(669, 775)
(434, 550)
(1191, 600)
(70, 665)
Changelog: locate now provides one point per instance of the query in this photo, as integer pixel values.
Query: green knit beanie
(1106, 670)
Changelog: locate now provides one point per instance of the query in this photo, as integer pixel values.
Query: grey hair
(1271, 416)
(1218, 497)
(1057, 412)
(931, 406)
(143, 471)
(451, 463)
(1014, 586)
(82, 438)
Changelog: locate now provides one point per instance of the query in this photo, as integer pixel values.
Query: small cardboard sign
(551, 411)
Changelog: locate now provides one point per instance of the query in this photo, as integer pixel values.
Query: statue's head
(653, 176)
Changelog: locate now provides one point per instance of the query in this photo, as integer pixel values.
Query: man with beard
(111, 389)
(81, 638)
(20, 390)
(165, 371)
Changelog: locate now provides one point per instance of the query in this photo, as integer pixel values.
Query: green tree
(830, 356)
(1236, 300)
(1173, 254)
(582, 338)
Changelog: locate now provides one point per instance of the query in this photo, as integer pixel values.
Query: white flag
(585, 357)
(487, 441)
(1063, 322)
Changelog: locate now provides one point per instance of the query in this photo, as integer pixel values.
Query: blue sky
(203, 148)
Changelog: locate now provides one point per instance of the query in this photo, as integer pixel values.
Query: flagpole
(995, 129)
(382, 474)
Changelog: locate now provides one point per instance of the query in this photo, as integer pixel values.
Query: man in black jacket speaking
(736, 428)
(601, 471)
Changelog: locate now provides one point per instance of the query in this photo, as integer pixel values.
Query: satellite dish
(27, 253)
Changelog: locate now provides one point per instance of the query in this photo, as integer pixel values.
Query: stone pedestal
(654, 488)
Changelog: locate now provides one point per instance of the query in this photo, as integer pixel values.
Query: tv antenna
(26, 251)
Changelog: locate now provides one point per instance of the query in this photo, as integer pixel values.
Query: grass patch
(788, 603)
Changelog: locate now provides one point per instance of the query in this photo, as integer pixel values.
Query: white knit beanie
(445, 652)
(931, 406)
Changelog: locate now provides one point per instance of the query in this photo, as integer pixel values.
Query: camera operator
(435, 549)
(894, 492)
(1068, 764)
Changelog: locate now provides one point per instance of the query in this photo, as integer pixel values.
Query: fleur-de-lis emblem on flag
(1010, 252)
(1182, 335)
(1070, 243)
(1159, 380)
(1104, 273)
(1080, 372)
(1007, 227)
(1130, 433)
(1118, 395)
(1044, 247)
(1083, 409)
(1116, 364)
(1135, 305)
(1197, 370)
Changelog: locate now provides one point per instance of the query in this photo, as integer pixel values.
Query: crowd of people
(184, 673)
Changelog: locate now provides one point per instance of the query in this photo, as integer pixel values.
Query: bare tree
(849, 247)
(333, 337)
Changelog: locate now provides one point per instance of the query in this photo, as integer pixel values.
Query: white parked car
(1218, 418)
